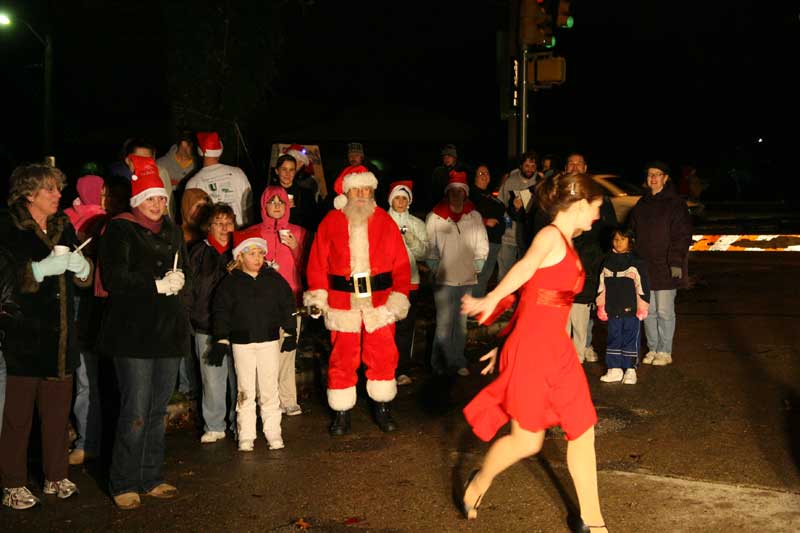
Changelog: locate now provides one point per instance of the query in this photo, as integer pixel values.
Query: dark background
(689, 82)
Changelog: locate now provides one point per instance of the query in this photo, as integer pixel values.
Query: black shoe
(341, 424)
(383, 417)
(469, 510)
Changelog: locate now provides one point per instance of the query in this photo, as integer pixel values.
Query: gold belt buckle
(366, 277)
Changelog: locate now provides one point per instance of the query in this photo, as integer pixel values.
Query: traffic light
(564, 15)
(535, 24)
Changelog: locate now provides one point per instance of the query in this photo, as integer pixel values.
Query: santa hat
(246, 238)
(457, 180)
(401, 188)
(145, 181)
(208, 144)
(299, 153)
(352, 176)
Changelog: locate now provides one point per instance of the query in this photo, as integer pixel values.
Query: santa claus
(359, 280)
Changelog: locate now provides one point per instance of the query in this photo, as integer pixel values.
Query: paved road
(711, 443)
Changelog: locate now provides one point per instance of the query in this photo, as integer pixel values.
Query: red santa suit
(345, 256)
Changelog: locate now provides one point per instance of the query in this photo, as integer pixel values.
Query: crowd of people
(170, 269)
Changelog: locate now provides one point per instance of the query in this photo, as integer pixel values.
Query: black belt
(361, 284)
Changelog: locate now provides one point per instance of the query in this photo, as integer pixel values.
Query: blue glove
(79, 265)
(477, 264)
(52, 265)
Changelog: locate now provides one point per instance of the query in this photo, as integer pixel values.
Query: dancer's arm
(545, 246)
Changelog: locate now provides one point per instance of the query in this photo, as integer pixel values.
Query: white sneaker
(649, 357)
(19, 498)
(276, 444)
(463, 372)
(212, 436)
(662, 359)
(292, 410)
(630, 377)
(614, 375)
(590, 355)
(245, 445)
(63, 489)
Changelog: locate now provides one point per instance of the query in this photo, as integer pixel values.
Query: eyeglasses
(655, 174)
(483, 173)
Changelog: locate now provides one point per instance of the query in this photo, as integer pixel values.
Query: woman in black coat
(145, 329)
(492, 211)
(663, 229)
(41, 350)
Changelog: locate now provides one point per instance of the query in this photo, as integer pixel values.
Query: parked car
(624, 196)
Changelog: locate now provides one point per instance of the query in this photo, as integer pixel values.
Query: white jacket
(415, 238)
(457, 246)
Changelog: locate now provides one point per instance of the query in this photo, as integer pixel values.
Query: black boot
(341, 424)
(383, 417)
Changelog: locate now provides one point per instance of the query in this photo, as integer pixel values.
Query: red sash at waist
(553, 298)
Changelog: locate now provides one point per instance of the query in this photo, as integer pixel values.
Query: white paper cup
(285, 233)
(60, 249)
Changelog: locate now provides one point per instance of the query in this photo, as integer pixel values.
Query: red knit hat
(208, 144)
(246, 238)
(403, 188)
(145, 181)
(352, 176)
(458, 179)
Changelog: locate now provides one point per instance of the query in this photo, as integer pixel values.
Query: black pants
(404, 336)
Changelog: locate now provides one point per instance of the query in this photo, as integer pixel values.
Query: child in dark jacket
(251, 307)
(622, 300)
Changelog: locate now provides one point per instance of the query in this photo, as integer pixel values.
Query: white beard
(358, 214)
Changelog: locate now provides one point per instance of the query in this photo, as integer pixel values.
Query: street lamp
(47, 42)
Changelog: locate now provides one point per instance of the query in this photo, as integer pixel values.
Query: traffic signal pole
(523, 100)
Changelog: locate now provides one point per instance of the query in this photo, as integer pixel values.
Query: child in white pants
(253, 307)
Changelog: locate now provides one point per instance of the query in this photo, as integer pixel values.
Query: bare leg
(582, 465)
(503, 453)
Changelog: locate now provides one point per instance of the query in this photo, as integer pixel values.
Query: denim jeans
(451, 329)
(2, 388)
(87, 404)
(488, 269)
(659, 326)
(219, 388)
(187, 376)
(145, 386)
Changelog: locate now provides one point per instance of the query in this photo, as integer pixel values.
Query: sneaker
(245, 445)
(19, 498)
(463, 372)
(276, 444)
(212, 436)
(649, 357)
(292, 410)
(614, 375)
(662, 359)
(630, 377)
(590, 355)
(63, 489)
(402, 379)
(127, 501)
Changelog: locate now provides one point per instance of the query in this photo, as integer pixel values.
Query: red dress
(541, 382)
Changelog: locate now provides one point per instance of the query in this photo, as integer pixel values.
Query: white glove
(176, 280)
(52, 265)
(162, 286)
(79, 265)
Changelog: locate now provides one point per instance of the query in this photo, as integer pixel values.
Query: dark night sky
(685, 81)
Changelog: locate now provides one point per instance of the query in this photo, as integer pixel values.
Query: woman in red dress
(541, 383)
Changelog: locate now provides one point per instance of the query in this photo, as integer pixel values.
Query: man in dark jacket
(663, 227)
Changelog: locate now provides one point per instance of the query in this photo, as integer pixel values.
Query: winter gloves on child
(171, 284)
(289, 342)
(218, 352)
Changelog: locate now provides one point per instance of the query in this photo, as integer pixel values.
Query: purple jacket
(663, 229)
